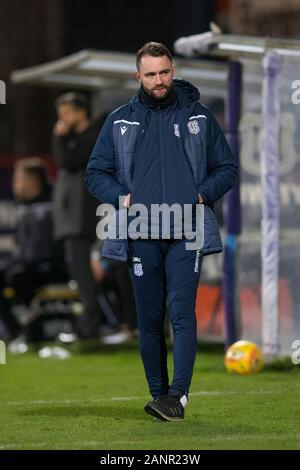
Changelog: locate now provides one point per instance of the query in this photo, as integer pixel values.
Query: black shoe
(168, 408)
(150, 409)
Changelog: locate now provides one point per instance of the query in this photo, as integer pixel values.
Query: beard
(153, 95)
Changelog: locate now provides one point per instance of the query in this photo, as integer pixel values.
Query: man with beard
(163, 147)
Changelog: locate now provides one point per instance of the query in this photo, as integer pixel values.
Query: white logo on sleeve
(176, 130)
(123, 129)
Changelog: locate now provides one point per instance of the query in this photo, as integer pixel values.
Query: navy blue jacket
(186, 140)
(161, 171)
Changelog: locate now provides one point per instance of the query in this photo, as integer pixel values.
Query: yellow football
(244, 357)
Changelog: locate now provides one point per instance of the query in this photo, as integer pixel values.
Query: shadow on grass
(194, 426)
(108, 411)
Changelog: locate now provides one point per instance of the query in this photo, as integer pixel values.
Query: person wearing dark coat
(74, 136)
(163, 147)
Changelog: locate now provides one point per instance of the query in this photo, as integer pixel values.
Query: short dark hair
(76, 99)
(34, 166)
(154, 49)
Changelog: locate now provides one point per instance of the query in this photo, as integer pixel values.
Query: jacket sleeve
(100, 174)
(222, 170)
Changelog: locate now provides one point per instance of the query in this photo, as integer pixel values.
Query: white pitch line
(22, 446)
(99, 400)
(234, 392)
(213, 438)
(66, 402)
(205, 440)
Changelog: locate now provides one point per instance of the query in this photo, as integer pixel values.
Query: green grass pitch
(95, 401)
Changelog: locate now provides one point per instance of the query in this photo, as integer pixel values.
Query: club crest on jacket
(138, 269)
(193, 127)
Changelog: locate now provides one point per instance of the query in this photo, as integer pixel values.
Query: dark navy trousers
(160, 268)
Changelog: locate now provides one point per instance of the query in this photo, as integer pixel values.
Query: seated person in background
(37, 259)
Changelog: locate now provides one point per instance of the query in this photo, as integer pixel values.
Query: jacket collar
(187, 96)
(148, 100)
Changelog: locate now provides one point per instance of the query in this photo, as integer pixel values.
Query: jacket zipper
(162, 172)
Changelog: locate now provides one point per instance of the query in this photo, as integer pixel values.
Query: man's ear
(138, 76)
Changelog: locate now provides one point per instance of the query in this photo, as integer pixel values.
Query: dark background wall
(36, 31)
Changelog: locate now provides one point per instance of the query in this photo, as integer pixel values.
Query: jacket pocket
(115, 241)
(115, 249)
(212, 239)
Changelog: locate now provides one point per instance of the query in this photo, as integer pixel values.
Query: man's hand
(61, 128)
(200, 199)
(126, 202)
(97, 268)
